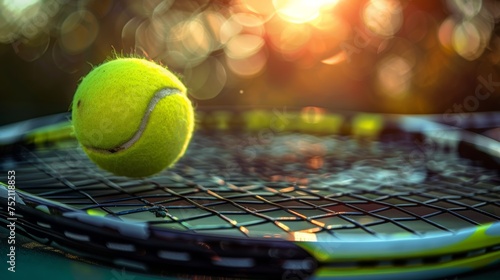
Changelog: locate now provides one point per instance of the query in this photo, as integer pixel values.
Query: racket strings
(327, 186)
(56, 166)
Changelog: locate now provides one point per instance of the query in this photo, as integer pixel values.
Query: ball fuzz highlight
(132, 117)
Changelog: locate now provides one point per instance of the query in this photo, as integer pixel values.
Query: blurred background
(392, 56)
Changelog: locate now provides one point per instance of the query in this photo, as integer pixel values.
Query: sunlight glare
(302, 11)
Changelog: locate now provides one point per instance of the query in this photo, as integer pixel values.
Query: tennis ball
(132, 117)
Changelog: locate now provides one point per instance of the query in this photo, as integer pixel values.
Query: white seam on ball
(157, 97)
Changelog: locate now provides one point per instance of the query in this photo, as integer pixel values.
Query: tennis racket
(303, 194)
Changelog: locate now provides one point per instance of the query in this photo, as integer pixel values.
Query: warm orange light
(383, 17)
(302, 11)
(394, 75)
(311, 115)
(304, 236)
(335, 59)
(315, 162)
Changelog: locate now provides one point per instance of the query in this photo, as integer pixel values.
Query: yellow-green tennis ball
(132, 117)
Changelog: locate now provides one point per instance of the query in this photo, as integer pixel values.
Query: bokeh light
(371, 55)
(383, 17)
(470, 34)
(394, 75)
(302, 11)
(207, 79)
(78, 31)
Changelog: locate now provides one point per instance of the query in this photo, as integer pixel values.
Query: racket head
(303, 193)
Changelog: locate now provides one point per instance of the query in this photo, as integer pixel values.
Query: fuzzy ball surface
(132, 117)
